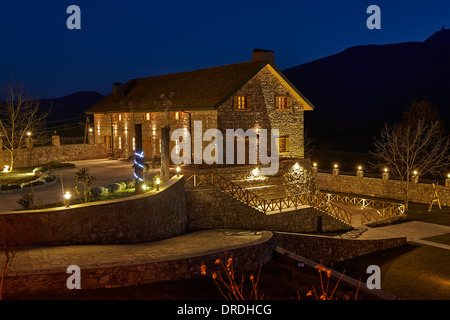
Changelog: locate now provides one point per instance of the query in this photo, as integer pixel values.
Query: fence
(270, 205)
(382, 209)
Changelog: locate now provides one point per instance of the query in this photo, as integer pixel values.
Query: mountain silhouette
(68, 112)
(356, 91)
(71, 106)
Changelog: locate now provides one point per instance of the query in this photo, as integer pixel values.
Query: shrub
(26, 201)
(86, 180)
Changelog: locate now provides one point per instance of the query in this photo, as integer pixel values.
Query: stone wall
(246, 258)
(327, 250)
(208, 209)
(375, 187)
(62, 153)
(152, 216)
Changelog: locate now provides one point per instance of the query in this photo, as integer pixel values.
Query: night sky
(121, 40)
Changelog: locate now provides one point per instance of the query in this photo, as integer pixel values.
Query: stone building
(248, 95)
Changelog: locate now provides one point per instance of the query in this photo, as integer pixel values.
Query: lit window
(120, 142)
(120, 117)
(283, 144)
(148, 116)
(241, 102)
(176, 116)
(133, 142)
(282, 103)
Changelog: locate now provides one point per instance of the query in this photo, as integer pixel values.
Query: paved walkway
(57, 259)
(414, 231)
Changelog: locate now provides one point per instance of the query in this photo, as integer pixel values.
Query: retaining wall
(152, 216)
(62, 153)
(328, 250)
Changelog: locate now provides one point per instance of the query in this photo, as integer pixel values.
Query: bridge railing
(319, 202)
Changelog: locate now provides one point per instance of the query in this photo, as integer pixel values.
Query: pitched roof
(198, 89)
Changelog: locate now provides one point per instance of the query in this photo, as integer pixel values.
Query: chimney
(261, 54)
(117, 90)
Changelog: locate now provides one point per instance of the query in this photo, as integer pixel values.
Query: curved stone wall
(152, 216)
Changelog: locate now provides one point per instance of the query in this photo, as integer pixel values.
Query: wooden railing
(270, 205)
(381, 209)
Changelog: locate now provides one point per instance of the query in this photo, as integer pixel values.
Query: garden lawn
(16, 178)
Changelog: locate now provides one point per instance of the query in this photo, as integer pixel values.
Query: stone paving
(57, 259)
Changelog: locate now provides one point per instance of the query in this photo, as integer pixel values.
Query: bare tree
(416, 146)
(20, 116)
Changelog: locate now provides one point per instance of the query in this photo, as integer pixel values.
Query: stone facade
(262, 90)
(151, 216)
(375, 187)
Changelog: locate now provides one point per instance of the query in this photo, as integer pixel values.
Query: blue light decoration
(138, 164)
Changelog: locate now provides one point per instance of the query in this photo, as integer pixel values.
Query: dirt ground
(280, 279)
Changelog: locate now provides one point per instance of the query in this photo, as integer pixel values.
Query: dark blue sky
(121, 40)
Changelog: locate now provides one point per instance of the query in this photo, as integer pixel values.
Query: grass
(411, 272)
(45, 167)
(110, 196)
(16, 178)
(419, 212)
(443, 238)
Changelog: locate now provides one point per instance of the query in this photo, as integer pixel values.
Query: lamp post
(385, 175)
(158, 181)
(314, 168)
(359, 173)
(447, 181)
(415, 177)
(67, 197)
(178, 171)
(336, 170)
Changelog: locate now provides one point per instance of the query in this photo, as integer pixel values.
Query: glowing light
(359, 168)
(6, 169)
(67, 197)
(335, 165)
(415, 172)
(90, 130)
(144, 187)
(296, 166)
(158, 181)
(315, 164)
(28, 133)
(385, 169)
(178, 171)
(256, 172)
(448, 176)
